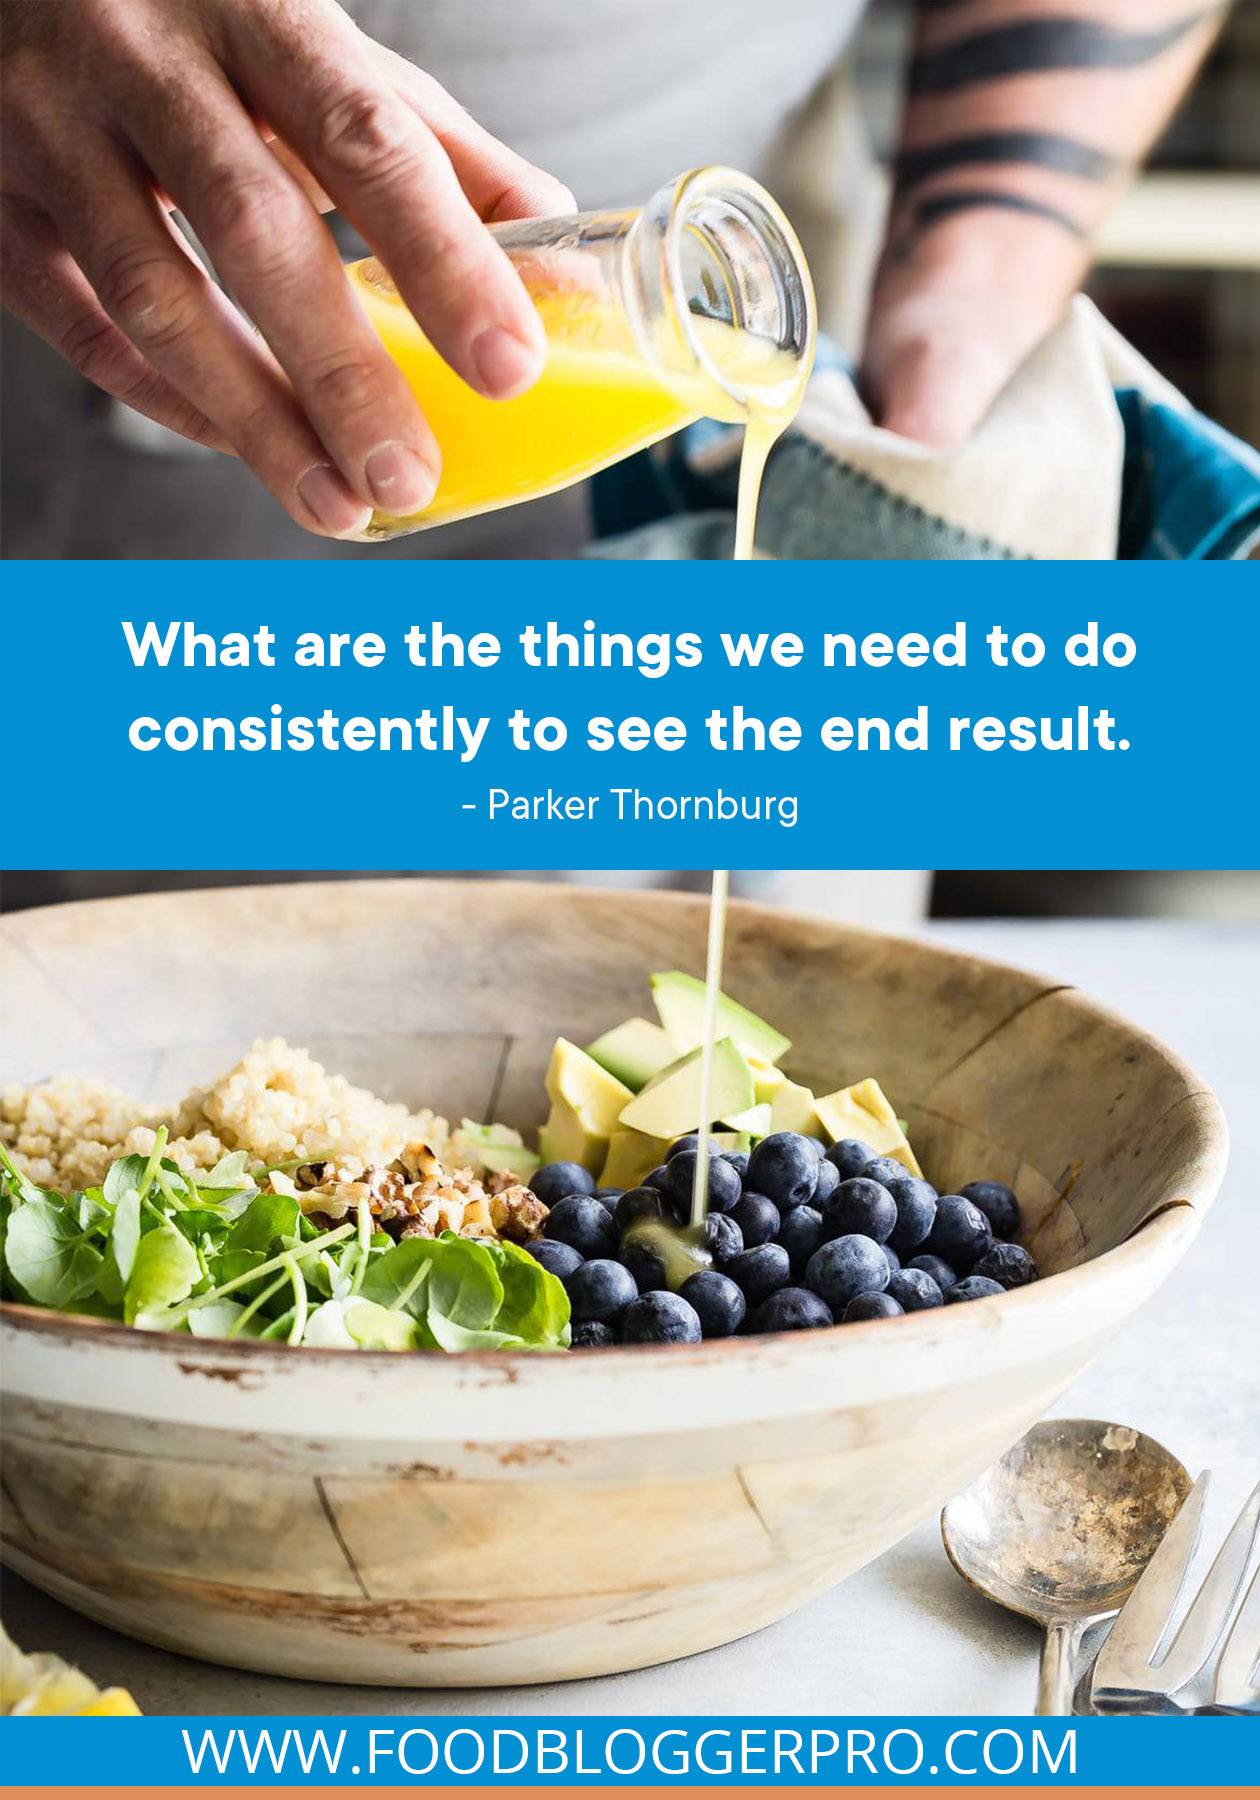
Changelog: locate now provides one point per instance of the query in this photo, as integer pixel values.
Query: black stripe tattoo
(944, 206)
(1033, 46)
(1044, 149)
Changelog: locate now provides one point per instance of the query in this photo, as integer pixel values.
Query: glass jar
(699, 305)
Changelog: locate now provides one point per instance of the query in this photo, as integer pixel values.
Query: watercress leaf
(124, 1236)
(219, 1319)
(266, 1218)
(164, 1272)
(464, 1285)
(228, 1264)
(91, 1211)
(270, 1330)
(202, 1225)
(399, 1276)
(101, 1305)
(447, 1335)
(47, 1255)
(107, 1301)
(175, 1177)
(326, 1327)
(535, 1305)
(373, 1327)
(228, 1172)
(126, 1172)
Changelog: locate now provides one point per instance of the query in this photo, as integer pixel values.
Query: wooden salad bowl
(429, 1520)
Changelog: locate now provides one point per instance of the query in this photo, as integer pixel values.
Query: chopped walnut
(517, 1214)
(416, 1197)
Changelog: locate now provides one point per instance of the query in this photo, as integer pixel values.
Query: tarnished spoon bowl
(1060, 1528)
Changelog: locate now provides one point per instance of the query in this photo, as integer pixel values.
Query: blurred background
(891, 898)
(1179, 274)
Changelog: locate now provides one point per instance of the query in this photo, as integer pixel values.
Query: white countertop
(905, 1635)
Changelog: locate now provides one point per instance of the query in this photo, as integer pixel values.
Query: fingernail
(504, 363)
(330, 502)
(400, 479)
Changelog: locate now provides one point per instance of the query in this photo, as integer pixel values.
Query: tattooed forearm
(1035, 46)
(944, 206)
(1037, 149)
(1025, 106)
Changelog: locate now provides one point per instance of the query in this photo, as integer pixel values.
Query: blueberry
(760, 1271)
(680, 1174)
(975, 1287)
(916, 1211)
(558, 1259)
(913, 1289)
(791, 1309)
(656, 1178)
(638, 1203)
(757, 1217)
(591, 1335)
(891, 1258)
(800, 1234)
(785, 1167)
(937, 1268)
(600, 1290)
(871, 1306)
(721, 1237)
(961, 1233)
(861, 1206)
(660, 1319)
(609, 1196)
(738, 1159)
(1008, 1264)
(719, 1304)
(555, 1181)
(828, 1182)
(820, 1149)
(849, 1157)
(847, 1266)
(883, 1169)
(645, 1266)
(998, 1204)
(585, 1223)
(690, 1142)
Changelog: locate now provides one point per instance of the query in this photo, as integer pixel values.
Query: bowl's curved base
(418, 1645)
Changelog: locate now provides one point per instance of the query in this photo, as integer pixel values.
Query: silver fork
(1128, 1678)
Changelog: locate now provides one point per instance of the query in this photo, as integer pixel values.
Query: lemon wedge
(42, 1686)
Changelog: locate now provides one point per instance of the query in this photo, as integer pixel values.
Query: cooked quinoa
(277, 1104)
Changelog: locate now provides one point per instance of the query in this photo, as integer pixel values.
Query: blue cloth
(1190, 492)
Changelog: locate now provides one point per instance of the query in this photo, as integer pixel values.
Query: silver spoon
(1060, 1529)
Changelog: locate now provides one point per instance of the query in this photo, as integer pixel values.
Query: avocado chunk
(793, 1108)
(753, 1122)
(766, 1083)
(495, 1148)
(863, 1111)
(633, 1052)
(631, 1156)
(586, 1102)
(679, 1000)
(670, 1104)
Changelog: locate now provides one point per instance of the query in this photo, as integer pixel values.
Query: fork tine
(1238, 1672)
(1124, 1662)
(1207, 1618)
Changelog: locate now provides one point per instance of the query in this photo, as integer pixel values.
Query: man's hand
(248, 116)
(954, 316)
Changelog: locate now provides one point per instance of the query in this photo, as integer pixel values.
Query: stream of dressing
(681, 1250)
(712, 990)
